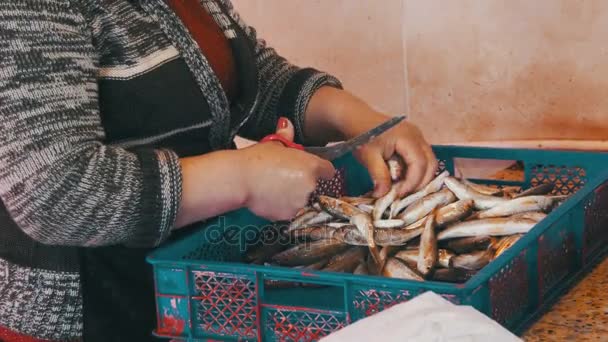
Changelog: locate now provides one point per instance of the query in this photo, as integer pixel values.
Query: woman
(118, 119)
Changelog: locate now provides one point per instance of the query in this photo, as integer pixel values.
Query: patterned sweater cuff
(298, 92)
(160, 198)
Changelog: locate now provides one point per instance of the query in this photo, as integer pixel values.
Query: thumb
(285, 129)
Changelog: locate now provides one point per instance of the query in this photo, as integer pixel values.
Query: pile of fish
(447, 231)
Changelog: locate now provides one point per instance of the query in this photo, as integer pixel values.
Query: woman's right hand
(279, 180)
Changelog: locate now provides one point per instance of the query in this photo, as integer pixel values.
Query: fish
(396, 237)
(473, 261)
(261, 253)
(340, 224)
(361, 269)
(532, 215)
(482, 189)
(425, 205)
(318, 232)
(322, 217)
(444, 258)
(505, 243)
(356, 201)
(337, 208)
(396, 166)
(492, 226)
(449, 214)
(517, 206)
(315, 266)
(367, 208)
(386, 252)
(469, 244)
(463, 192)
(350, 235)
(428, 254)
(301, 220)
(541, 189)
(384, 202)
(346, 261)
(365, 226)
(304, 211)
(452, 275)
(396, 268)
(432, 187)
(394, 223)
(309, 252)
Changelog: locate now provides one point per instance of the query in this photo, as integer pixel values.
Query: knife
(337, 150)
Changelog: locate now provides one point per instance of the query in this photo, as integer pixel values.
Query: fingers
(378, 171)
(417, 164)
(325, 170)
(285, 129)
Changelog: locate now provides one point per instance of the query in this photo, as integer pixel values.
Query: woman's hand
(335, 114)
(280, 180)
(269, 179)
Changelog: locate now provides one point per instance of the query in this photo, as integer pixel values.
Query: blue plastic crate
(204, 291)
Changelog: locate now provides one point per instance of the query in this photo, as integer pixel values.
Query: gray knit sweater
(87, 135)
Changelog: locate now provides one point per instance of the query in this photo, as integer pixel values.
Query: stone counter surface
(580, 315)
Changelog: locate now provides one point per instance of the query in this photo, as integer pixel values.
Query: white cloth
(427, 317)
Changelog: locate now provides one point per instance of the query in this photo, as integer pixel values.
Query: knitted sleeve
(58, 180)
(285, 89)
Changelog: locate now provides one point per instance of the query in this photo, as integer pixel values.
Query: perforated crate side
(300, 324)
(557, 256)
(366, 301)
(509, 292)
(224, 305)
(566, 179)
(595, 236)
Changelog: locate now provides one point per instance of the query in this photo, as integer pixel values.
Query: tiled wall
(463, 70)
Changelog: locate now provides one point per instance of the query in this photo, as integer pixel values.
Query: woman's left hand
(335, 113)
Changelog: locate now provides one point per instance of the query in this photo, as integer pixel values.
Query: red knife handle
(282, 140)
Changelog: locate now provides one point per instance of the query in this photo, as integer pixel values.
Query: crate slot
(302, 293)
(556, 256)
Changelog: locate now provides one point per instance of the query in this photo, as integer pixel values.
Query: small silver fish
(426, 204)
(361, 269)
(396, 237)
(541, 189)
(533, 215)
(492, 226)
(365, 226)
(452, 275)
(338, 208)
(346, 261)
(395, 268)
(356, 201)
(309, 252)
(483, 189)
(318, 232)
(469, 244)
(473, 261)
(433, 186)
(444, 257)
(322, 217)
(367, 208)
(384, 202)
(463, 192)
(394, 223)
(428, 255)
(301, 220)
(505, 243)
(518, 206)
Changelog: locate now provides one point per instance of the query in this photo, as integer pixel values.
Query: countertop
(580, 315)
